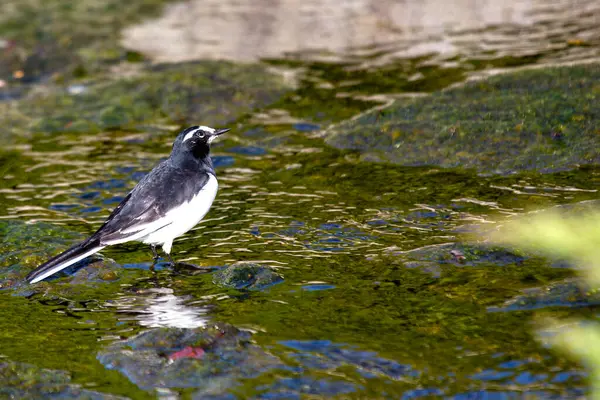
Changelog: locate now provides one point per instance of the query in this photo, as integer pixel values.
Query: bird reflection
(159, 307)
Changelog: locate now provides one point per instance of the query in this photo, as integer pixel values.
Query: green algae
(540, 119)
(246, 276)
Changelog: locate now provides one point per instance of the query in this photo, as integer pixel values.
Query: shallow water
(384, 294)
(362, 310)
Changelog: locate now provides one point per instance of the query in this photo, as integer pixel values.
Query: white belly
(185, 217)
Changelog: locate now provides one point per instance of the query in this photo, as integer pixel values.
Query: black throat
(201, 151)
(195, 158)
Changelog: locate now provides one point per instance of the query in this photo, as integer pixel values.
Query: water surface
(370, 305)
(382, 295)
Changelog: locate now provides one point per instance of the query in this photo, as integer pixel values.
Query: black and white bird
(165, 204)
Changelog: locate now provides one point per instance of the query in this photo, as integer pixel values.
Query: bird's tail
(64, 260)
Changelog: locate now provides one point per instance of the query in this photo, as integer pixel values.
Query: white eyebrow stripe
(207, 128)
(200, 128)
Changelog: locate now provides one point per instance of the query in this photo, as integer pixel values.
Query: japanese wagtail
(165, 204)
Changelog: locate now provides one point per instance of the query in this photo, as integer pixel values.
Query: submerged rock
(294, 388)
(529, 120)
(24, 381)
(210, 358)
(218, 358)
(327, 355)
(459, 254)
(569, 293)
(246, 276)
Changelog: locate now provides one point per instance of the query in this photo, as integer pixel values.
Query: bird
(166, 203)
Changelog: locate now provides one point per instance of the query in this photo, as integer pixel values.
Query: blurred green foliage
(575, 238)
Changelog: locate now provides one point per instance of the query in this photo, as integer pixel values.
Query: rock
(326, 355)
(208, 358)
(20, 249)
(246, 276)
(568, 293)
(220, 357)
(97, 269)
(539, 119)
(458, 254)
(430, 268)
(293, 388)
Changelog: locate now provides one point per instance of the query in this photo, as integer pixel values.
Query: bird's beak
(221, 131)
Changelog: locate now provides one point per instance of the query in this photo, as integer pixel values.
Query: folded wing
(144, 210)
(147, 207)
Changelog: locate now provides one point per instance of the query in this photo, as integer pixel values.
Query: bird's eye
(201, 135)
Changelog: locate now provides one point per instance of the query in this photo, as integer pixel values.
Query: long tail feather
(64, 260)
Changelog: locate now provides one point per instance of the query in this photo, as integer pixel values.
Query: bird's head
(196, 141)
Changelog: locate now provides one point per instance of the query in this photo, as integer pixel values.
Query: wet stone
(569, 293)
(246, 276)
(458, 254)
(326, 355)
(215, 359)
(430, 268)
(293, 388)
(210, 358)
(65, 39)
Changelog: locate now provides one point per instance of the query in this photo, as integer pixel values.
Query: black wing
(146, 206)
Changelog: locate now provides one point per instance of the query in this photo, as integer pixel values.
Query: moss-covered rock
(209, 358)
(246, 276)
(544, 119)
(457, 254)
(568, 293)
(213, 93)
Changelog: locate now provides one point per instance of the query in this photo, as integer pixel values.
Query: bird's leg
(167, 250)
(154, 256)
(170, 259)
(154, 253)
